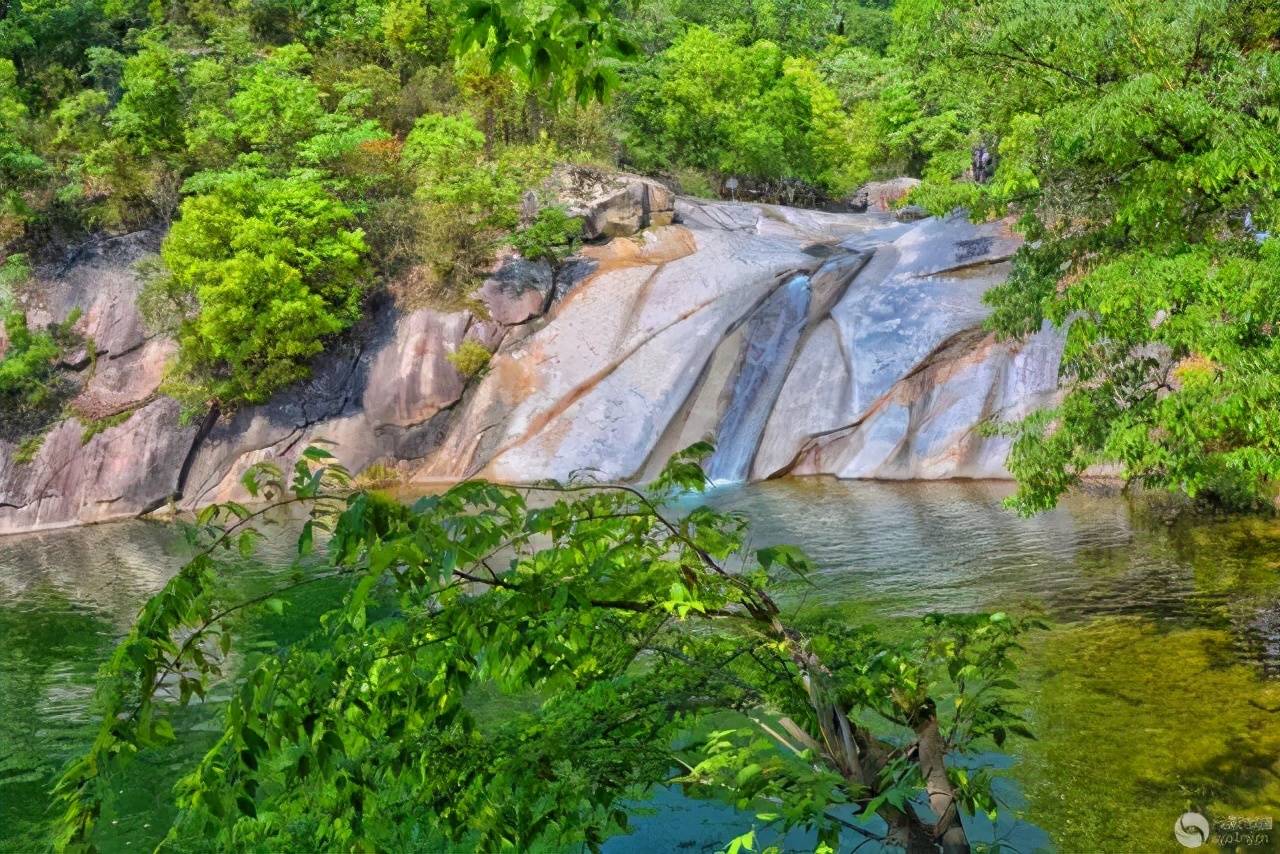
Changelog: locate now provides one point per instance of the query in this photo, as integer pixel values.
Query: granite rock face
(647, 354)
(125, 470)
(926, 427)
(375, 400)
(100, 279)
(807, 342)
(377, 396)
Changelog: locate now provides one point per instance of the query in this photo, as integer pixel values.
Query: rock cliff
(804, 342)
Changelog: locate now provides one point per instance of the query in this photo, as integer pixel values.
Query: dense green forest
(305, 155)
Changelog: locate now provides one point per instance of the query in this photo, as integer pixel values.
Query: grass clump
(97, 425)
(471, 359)
(28, 448)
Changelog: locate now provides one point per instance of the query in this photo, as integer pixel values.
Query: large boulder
(612, 204)
(518, 291)
(882, 196)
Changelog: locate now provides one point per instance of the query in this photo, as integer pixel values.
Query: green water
(1156, 691)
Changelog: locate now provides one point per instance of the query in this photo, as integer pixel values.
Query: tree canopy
(1136, 142)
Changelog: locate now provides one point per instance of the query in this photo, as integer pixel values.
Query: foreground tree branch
(614, 622)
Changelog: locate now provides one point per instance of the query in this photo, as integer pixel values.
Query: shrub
(262, 271)
(14, 272)
(471, 359)
(28, 386)
(613, 618)
(469, 200)
(28, 448)
(378, 474)
(553, 235)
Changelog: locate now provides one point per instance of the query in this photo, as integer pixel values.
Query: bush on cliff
(471, 359)
(30, 387)
(28, 361)
(469, 199)
(260, 271)
(552, 236)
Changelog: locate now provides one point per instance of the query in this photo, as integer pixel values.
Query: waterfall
(771, 336)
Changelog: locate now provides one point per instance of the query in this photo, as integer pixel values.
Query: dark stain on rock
(968, 250)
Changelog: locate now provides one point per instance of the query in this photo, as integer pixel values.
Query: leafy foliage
(750, 110)
(553, 235)
(265, 269)
(1136, 141)
(31, 388)
(471, 358)
(469, 201)
(631, 646)
(564, 48)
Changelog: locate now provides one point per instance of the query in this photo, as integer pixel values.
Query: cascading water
(772, 334)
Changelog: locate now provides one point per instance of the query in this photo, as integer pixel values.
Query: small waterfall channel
(771, 337)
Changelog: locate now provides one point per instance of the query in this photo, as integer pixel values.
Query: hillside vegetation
(310, 152)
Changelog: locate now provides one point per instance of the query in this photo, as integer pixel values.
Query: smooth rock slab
(125, 382)
(596, 387)
(101, 280)
(123, 471)
(927, 427)
(916, 294)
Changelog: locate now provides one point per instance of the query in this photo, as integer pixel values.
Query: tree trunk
(948, 830)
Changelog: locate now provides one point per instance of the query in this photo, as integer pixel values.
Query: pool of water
(1155, 691)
